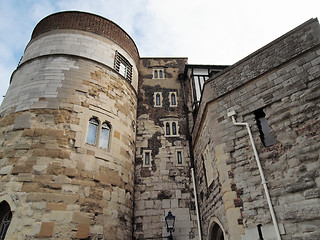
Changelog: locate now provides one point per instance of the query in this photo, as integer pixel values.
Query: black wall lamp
(170, 219)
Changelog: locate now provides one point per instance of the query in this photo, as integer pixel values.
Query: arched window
(160, 74)
(158, 99)
(167, 129)
(92, 131)
(5, 218)
(155, 73)
(216, 232)
(104, 136)
(174, 128)
(173, 99)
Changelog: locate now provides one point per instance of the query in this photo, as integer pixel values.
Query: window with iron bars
(123, 66)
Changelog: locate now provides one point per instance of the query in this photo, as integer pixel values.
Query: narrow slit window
(160, 74)
(179, 157)
(104, 136)
(167, 129)
(174, 128)
(92, 131)
(173, 99)
(264, 128)
(157, 99)
(155, 73)
(147, 158)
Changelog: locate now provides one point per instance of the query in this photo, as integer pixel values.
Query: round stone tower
(67, 132)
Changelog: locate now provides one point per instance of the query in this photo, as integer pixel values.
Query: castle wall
(282, 79)
(164, 184)
(57, 184)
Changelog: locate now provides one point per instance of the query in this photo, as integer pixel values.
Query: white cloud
(205, 31)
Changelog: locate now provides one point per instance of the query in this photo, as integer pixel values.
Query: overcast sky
(217, 32)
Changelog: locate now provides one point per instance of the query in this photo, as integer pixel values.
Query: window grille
(123, 66)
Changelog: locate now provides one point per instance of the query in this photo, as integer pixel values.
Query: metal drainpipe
(196, 203)
(182, 78)
(263, 180)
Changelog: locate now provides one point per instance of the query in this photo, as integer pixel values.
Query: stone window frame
(144, 154)
(183, 162)
(158, 73)
(170, 99)
(171, 124)
(208, 159)
(123, 66)
(155, 99)
(101, 125)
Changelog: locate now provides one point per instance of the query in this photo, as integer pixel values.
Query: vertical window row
(98, 134)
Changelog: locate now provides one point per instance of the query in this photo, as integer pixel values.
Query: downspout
(182, 79)
(263, 180)
(196, 202)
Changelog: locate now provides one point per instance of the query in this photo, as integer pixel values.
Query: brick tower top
(90, 23)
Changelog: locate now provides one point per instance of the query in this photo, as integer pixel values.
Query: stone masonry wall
(287, 89)
(165, 184)
(87, 22)
(57, 185)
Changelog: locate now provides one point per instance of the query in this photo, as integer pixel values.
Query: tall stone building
(99, 143)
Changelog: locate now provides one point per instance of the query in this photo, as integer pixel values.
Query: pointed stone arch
(5, 218)
(216, 231)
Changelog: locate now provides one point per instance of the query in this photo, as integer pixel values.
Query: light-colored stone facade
(57, 185)
(282, 79)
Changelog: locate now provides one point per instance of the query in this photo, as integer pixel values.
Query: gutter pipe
(263, 180)
(196, 202)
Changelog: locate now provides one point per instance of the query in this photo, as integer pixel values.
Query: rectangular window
(123, 66)
(158, 73)
(179, 157)
(146, 158)
(171, 128)
(173, 99)
(157, 99)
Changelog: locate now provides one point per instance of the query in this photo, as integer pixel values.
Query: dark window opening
(155, 73)
(264, 128)
(158, 99)
(147, 158)
(174, 128)
(160, 74)
(167, 129)
(179, 156)
(5, 218)
(173, 99)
